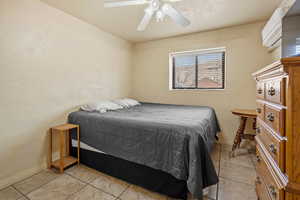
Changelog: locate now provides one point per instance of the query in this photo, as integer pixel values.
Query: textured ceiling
(203, 14)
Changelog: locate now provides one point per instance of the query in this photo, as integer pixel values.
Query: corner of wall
(19, 176)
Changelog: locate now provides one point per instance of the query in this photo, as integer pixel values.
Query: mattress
(85, 146)
(175, 139)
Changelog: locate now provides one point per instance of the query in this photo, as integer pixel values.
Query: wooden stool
(65, 160)
(244, 115)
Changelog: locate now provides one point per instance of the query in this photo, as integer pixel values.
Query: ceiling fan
(159, 8)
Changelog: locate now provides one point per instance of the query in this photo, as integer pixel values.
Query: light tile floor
(236, 174)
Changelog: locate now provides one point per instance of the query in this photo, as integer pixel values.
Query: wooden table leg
(239, 135)
(78, 148)
(67, 142)
(62, 147)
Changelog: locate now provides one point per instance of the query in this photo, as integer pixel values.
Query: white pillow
(101, 106)
(92, 107)
(127, 103)
(132, 102)
(109, 105)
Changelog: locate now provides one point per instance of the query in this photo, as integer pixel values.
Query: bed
(164, 148)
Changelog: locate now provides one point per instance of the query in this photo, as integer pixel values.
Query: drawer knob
(273, 148)
(272, 191)
(272, 91)
(258, 110)
(259, 91)
(257, 130)
(257, 159)
(270, 117)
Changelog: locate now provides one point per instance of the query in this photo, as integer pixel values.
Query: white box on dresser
(272, 31)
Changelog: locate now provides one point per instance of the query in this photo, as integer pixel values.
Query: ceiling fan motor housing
(157, 8)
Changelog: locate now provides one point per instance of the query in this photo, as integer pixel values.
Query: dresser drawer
(275, 193)
(260, 110)
(260, 90)
(275, 91)
(274, 117)
(274, 144)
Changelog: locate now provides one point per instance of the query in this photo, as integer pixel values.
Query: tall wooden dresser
(278, 130)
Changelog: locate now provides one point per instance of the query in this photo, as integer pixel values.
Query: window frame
(191, 53)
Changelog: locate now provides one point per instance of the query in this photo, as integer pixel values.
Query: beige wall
(50, 63)
(276, 54)
(245, 55)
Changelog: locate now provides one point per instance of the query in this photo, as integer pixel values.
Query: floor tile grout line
(104, 190)
(89, 183)
(24, 197)
(245, 166)
(34, 188)
(12, 185)
(237, 181)
(28, 177)
(69, 196)
(218, 187)
(5, 188)
(18, 190)
(86, 184)
(46, 169)
(249, 167)
(66, 173)
(246, 155)
(128, 186)
(229, 178)
(123, 192)
(39, 186)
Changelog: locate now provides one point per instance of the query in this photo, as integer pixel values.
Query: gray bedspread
(173, 138)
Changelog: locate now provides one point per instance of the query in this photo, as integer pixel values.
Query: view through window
(198, 69)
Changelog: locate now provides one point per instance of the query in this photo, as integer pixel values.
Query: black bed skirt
(146, 177)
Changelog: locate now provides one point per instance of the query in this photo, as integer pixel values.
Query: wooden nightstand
(64, 133)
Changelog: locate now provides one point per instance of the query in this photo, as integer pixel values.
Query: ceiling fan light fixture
(155, 4)
(160, 16)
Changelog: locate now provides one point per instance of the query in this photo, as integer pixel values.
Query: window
(201, 69)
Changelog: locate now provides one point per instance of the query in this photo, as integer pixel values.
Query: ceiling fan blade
(175, 15)
(146, 19)
(111, 4)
